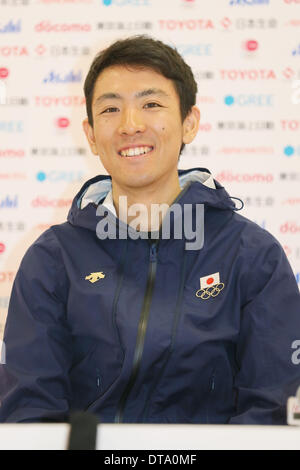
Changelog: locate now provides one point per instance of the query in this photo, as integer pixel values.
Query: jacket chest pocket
(202, 307)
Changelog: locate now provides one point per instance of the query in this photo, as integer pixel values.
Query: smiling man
(136, 126)
(143, 327)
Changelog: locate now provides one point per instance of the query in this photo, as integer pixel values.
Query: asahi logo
(10, 27)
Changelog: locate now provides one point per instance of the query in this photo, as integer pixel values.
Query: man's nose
(131, 122)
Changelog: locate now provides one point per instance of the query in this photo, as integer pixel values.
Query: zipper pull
(153, 252)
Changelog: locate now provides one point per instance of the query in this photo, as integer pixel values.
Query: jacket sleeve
(34, 384)
(270, 323)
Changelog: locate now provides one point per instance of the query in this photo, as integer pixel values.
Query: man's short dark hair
(145, 51)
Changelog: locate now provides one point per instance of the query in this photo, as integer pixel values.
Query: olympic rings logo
(212, 291)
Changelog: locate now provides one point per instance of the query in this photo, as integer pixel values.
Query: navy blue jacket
(138, 344)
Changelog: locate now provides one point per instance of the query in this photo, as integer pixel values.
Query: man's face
(138, 110)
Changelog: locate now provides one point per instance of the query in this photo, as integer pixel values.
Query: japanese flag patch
(209, 281)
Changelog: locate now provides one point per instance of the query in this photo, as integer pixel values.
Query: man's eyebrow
(139, 94)
(152, 91)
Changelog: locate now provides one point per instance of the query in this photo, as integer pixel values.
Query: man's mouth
(136, 151)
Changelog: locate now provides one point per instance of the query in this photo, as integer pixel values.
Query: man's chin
(136, 181)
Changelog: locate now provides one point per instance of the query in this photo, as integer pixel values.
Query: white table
(154, 437)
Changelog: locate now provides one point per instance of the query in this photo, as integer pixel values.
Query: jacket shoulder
(253, 237)
(43, 261)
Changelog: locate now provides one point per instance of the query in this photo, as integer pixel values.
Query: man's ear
(89, 132)
(191, 125)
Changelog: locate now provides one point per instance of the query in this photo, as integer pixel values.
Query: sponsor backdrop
(246, 58)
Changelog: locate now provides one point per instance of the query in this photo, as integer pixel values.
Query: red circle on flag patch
(210, 280)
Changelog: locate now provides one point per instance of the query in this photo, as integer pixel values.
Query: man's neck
(148, 216)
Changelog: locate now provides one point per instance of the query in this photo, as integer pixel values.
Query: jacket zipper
(171, 348)
(141, 332)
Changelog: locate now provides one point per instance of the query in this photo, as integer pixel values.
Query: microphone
(83, 432)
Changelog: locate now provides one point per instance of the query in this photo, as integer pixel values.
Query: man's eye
(152, 103)
(109, 110)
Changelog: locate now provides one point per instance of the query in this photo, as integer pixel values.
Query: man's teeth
(135, 151)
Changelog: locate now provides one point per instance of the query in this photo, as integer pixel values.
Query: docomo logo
(4, 72)
(43, 201)
(62, 122)
(191, 25)
(251, 45)
(2, 247)
(290, 227)
(244, 178)
(159, 219)
(46, 26)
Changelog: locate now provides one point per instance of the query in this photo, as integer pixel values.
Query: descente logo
(48, 27)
